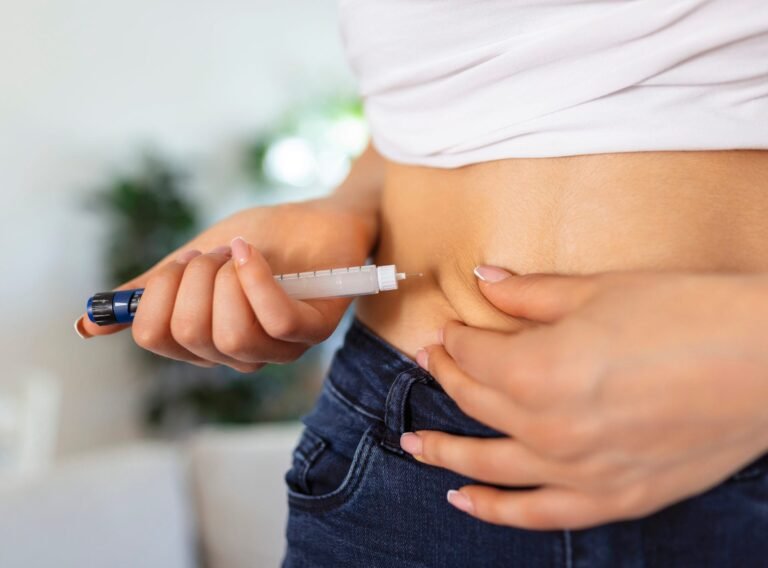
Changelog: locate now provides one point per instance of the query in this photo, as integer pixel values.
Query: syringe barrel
(335, 283)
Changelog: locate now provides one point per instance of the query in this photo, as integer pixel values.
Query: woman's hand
(199, 307)
(630, 392)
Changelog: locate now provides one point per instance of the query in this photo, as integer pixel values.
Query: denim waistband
(381, 383)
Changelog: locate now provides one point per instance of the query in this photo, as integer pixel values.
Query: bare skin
(574, 215)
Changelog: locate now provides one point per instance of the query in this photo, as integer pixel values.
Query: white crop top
(453, 82)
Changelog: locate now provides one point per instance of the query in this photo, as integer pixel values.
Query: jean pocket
(321, 478)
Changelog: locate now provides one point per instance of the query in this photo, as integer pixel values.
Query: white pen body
(338, 282)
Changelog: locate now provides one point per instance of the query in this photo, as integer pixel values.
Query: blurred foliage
(224, 396)
(148, 216)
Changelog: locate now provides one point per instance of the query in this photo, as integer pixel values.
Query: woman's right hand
(202, 306)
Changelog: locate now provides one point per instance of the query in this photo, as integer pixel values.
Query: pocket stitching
(349, 484)
(317, 445)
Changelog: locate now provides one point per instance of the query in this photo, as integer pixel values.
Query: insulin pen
(108, 308)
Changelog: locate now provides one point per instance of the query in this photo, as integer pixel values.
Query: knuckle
(552, 436)
(284, 327)
(186, 333)
(231, 343)
(532, 516)
(148, 336)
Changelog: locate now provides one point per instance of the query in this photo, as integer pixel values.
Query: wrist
(353, 212)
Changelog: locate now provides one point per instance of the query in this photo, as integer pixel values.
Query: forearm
(360, 192)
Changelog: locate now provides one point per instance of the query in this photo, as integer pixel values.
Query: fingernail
(422, 358)
(80, 329)
(185, 257)
(491, 273)
(240, 250)
(411, 443)
(223, 249)
(460, 501)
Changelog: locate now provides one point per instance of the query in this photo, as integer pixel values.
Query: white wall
(84, 85)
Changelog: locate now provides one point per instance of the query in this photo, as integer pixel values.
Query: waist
(369, 383)
(572, 215)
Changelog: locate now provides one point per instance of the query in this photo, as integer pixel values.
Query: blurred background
(124, 129)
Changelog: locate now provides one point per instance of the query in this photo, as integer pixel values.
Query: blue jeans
(356, 499)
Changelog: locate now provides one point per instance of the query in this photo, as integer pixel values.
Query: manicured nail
(223, 249)
(185, 257)
(80, 329)
(411, 443)
(491, 273)
(422, 358)
(241, 251)
(460, 501)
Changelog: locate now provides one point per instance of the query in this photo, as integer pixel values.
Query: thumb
(537, 297)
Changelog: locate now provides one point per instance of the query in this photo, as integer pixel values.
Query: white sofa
(216, 501)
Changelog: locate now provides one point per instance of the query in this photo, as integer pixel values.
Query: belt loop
(394, 407)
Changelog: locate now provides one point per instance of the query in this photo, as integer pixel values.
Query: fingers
(548, 508)
(539, 297)
(501, 461)
(485, 355)
(237, 332)
(196, 309)
(192, 319)
(152, 323)
(281, 316)
(192, 316)
(521, 366)
(475, 399)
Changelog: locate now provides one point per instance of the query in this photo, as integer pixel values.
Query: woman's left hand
(630, 392)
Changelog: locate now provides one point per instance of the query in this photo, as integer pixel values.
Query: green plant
(149, 215)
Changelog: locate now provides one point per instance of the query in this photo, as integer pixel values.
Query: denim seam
(350, 484)
(319, 446)
(344, 400)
